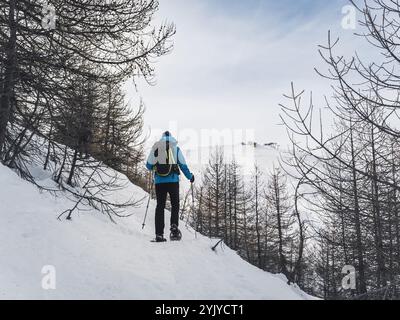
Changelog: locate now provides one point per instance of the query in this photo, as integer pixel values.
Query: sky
(232, 62)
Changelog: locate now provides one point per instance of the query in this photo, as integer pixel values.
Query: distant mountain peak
(273, 145)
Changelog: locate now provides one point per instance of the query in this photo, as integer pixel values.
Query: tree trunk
(73, 166)
(7, 89)
(361, 268)
(257, 223)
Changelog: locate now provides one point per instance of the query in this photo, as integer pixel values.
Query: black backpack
(171, 165)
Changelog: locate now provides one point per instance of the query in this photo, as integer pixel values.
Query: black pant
(162, 189)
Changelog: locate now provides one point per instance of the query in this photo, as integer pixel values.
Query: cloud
(232, 63)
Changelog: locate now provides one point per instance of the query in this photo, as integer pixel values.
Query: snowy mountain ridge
(96, 259)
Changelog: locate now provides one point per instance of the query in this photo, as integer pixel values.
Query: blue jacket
(180, 160)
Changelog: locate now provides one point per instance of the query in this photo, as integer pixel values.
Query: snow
(96, 259)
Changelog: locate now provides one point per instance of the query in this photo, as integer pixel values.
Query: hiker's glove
(192, 179)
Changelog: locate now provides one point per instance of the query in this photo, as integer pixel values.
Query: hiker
(166, 160)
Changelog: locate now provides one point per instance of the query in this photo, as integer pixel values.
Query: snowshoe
(159, 239)
(176, 234)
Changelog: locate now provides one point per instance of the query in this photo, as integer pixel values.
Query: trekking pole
(148, 202)
(195, 218)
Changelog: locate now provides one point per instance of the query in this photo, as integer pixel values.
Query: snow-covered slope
(96, 259)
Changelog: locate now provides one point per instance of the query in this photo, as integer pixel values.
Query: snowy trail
(95, 259)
